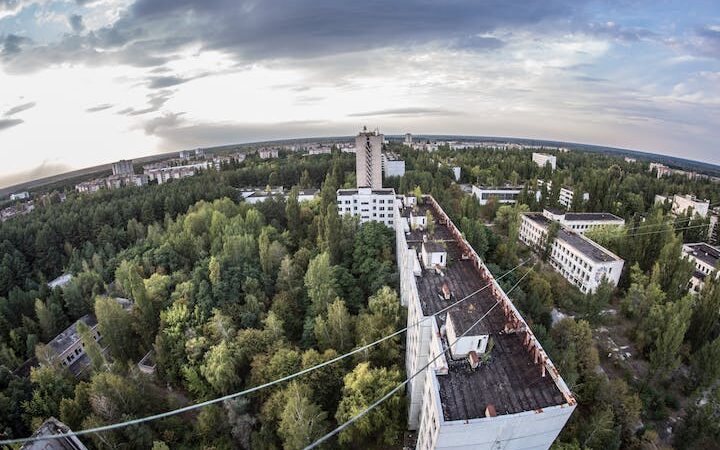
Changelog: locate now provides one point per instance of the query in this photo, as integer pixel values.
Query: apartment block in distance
(581, 222)
(368, 204)
(493, 388)
(541, 159)
(123, 167)
(681, 204)
(368, 159)
(581, 261)
(503, 194)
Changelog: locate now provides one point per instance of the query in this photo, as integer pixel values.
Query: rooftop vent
(474, 361)
(490, 410)
(446, 291)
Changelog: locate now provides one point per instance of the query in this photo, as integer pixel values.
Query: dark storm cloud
(12, 44)
(9, 123)
(409, 111)
(98, 108)
(152, 30)
(19, 108)
(76, 23)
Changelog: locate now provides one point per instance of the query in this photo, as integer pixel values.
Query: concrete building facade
(368, 204)
(681, 204)
(541, 159)
(123, 167)
(581, 261)
(368, 159)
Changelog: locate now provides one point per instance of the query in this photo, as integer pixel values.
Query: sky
(86, 82)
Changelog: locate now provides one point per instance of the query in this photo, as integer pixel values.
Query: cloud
(164, 82)
(98, 108)
(9, 123)
(706, 41)
(76, 23)
(621, 33)
(12, 44)
(167, 120)
(176, 133)
(409, 111)
(45, 169)
(156, 101)
(19, 108)
(148, 35)
(476, 42)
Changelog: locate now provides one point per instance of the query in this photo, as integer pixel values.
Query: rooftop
(704, 252)
(434, 247)
(50, 427)
(591, 216)
(511, 381)
(374, 191)
(580, 243)
(70, 335)
(501, 188)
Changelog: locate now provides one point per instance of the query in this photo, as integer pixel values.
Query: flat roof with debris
(704, 252)
(510, 380)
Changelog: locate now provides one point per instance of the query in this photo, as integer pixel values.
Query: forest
(229, 296)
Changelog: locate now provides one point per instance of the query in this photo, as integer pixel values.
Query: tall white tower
(368, 159)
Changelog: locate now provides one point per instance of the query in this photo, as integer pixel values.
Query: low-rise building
(67, 348)
(542, 159)
(566, 195)
(504, 194)
(581, 261)
(485, 381)
(19, 196)
(682, 204)
(706, 258)
(17, 210)
(319, 150)
(304, 195)
(392, 165)
(53, 427)
(581, 222)
(60, 281)
(268, 153)
(368, 204)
